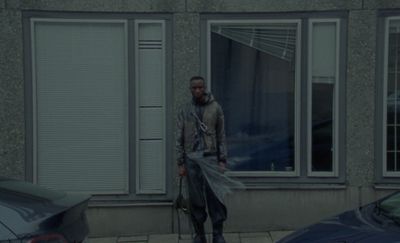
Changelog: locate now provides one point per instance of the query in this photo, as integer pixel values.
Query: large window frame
(336, 114)
(130, 21)
(385, 174)
(36, 21)
(302, 172)
(296, 171)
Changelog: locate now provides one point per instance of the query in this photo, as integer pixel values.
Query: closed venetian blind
(81, 109)
(276, 39)
(324, 51)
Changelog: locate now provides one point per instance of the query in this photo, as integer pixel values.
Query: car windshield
(391, 207)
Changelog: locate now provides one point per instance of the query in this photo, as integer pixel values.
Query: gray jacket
(207, 130)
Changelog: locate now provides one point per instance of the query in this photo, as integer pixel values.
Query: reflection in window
(323, 48)
(393, 98)
(253, 75)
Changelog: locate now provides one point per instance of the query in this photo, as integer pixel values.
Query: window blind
(324, 48)
(80, 88)
(277, 39)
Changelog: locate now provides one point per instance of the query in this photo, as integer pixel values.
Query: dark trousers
(200, 197)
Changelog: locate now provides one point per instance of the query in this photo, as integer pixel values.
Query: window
(99, 105)
(255, 72)
(391, 166)
(150, 93)
(323, 97)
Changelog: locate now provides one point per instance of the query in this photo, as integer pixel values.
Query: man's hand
(222, 167)
(182, 170)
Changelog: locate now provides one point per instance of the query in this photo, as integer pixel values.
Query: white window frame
(33, 21)
(297, 97)
(386, 173)
(140, 191)
(335, 122)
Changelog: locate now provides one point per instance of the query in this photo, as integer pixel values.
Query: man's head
(198, 87)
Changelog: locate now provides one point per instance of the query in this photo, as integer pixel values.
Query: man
(202, 158)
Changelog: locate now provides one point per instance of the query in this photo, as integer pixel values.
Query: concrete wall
(128, 220)
(12, 124)
(273, 207)
(248, 211)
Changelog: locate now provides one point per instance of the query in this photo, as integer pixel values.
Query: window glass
(253, 77)
(323, 75)
(322, 137)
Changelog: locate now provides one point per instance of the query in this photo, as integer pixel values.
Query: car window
(391, 206)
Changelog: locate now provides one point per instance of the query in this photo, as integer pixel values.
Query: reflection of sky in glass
(322, 116)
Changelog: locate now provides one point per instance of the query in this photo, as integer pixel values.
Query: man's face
(197, 88)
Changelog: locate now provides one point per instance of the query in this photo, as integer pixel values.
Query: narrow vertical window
(323, 97)
(150, 107)
(392, 97)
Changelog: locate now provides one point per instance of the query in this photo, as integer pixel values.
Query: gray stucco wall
(360, 84)
(144, 6)
(248, 6)
(186, 54)
(12, 149)
(273, 206)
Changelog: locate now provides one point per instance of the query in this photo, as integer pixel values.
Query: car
(274, 150)
(375, 222)
(30, 213)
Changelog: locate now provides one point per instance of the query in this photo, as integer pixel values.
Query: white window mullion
(385, 89)
(395, 108)
(297, 100)
(34, 101)
(336, 105)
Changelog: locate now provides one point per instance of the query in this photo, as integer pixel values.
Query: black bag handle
(180, 203)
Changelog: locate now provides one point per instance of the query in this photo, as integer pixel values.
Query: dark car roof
(24, 206)
(349, 227)
(336, 231)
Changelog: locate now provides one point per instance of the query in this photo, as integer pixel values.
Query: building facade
(90, 90)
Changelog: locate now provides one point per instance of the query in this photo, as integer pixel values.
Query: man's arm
(221, 139)
(179, 144)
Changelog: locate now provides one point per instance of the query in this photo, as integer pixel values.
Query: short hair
(198, 78)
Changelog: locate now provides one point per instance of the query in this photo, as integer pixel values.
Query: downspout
(186, 5)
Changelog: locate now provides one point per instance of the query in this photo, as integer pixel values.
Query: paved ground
(261, 237)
